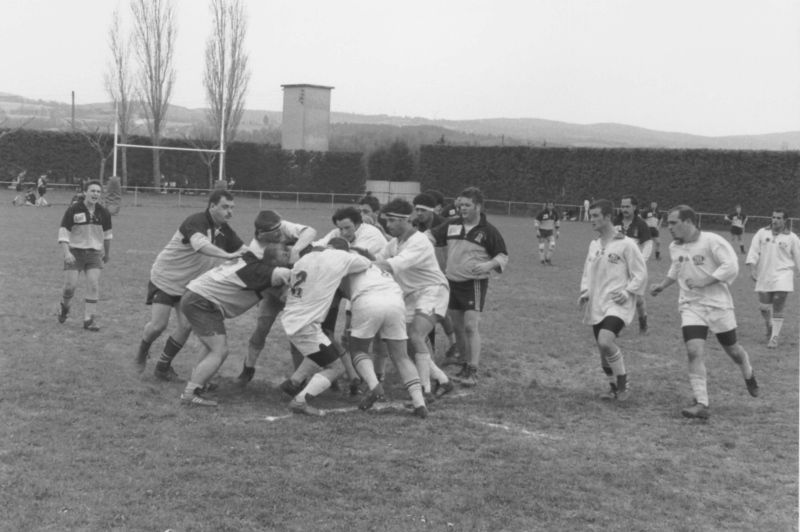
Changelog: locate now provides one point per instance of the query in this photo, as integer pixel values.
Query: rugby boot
(291, 389)
(371, 397)
(773, 343)
(752, 385)
(610, 395)
(443, 389)
(166, 374)
(304, 408)
(197, 399)
(696, 411)
(90, 325)
(62, 313)
(245, 376)
(421, 411)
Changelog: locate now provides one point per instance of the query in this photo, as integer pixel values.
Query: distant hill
(356, 132)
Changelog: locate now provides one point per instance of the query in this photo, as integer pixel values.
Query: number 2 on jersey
(300, 278)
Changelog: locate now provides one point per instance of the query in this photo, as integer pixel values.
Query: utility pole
(73, 109)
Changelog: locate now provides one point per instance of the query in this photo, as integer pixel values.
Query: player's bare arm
(304, 239)
(69, 258)
(106, 250)
(210, 250)
(657, 288)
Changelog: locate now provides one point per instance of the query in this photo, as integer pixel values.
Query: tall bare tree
(154, 32)
(227, 75)
(119, 86)
(101, 142)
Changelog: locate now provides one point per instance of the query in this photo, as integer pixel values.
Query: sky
(706, 67)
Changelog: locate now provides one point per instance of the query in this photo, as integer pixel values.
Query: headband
(423, 207)
(395, 215)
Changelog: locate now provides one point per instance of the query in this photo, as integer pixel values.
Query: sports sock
(658, 255)
(171, 349)
(316, 386)
(437, 374)
(608, 371)
(365, 369)
(66, 297)
(91, 306)
(541, 252)
(777, 323)
(618, 367)
(422, 361)
(451, 338)
(415, 391)
(699, 388)
(144, 347)
(191, 387)
(741, 246)
(766, 313)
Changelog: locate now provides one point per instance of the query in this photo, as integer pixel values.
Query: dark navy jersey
(637, 230)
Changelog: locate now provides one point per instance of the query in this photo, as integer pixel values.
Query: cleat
(452, 352)
(610, 395)
(769, 332)
(290, 388)
(469, 380)
(696, 411)
(210, 386)
(623, 395)
(643, 325)
(245, 376)
(773, 343)
(371, 397)
(443, 389)
(421, 411)
(90, 325)
(63, 312)
(303, 408)
(356, 387)
(541, 262)
(167, 374)
(752, 385)
(380, 376)
(197, 399)
(429, 398)
(461, 374)
(141, 361)
(548, 262)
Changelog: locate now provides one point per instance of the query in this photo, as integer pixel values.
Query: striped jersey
(737, 219)
(465, 249)
(85, 229)
(651, 218)
(547, 220)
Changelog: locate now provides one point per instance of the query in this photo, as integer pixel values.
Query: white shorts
(716, 319)
(307, 339)
(378, 313)
(429, 301)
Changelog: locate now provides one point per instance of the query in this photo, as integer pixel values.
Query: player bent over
(204, 240)
(85, 238)
(315, 279)
(377, 308)
(546, 223)
(703, 265)
(614, 275)
(773, 257)
(225, 292)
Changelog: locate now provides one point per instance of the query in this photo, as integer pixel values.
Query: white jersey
(413, 263)
(368, 237)
(709, 254)
(372, 281)
(289, 231)
(776, 257)
(618, 267)
(315, 278)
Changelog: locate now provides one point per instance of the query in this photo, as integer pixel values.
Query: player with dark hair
(737, 220)
(630, 224)
(41, 188)
(475, 248)
(614, 275)
(703, 264)
(773, 258)
(547, 222)
(370, 209)
(85, 238)
(203, 241)
(653, 218)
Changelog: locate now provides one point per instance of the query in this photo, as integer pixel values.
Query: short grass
(88, 445)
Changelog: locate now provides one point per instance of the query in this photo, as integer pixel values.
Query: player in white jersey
(773, 258)
(411, 259)
(271, 228)
(315, 279)
(703, 264)
(223, 293)
(378, 309)
(614, 276)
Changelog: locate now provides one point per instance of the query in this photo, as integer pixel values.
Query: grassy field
(89, 445)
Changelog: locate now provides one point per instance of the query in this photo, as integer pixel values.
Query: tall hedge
(708, 180)
(68, 157)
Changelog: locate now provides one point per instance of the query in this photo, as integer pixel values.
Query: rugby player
(703, 265)
(370, 209)
(315, 278)
(411, 259)
(547, 221)
(226, 292)
(653, 217)
(737, 220)
(271, 228)
(204, 240)
(474, 249)
(631, 225)
(773, 258)
(614, 276)
(85, 239)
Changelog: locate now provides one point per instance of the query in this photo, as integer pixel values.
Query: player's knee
(255, 345)
(765, 308)
(552, 245)
(67, 292)
(541, 246)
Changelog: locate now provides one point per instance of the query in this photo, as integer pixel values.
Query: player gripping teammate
(614, 276)
(547, 222)
(631, 225)
(85, 238)
(737, 220)
(653, 218)
(703, 264)
(774, 255)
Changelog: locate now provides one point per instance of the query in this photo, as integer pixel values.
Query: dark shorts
(609, 323)
(85, 259)
(157, 295)
(468, 295)
(42, 191)
(654, 232)
(700, 332)
(204, 317)
(545, 233)
(736, 230)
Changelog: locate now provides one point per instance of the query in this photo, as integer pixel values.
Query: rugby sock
(316, 386)
(612, 380)
(741, 246)
(191, 387)
(91, 306)
(658, 255)
(777, 323)
(415, 391)
(451, 337)
(541, 252)
(380, 356)
(365, 369)
(171, 349)
(144, 347)
(66, 297)
(550, 250)
(437, 374)
(422, 361)
(766, 313)
(699, 388)
(618, 367)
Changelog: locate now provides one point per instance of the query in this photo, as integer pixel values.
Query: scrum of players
(403, 268)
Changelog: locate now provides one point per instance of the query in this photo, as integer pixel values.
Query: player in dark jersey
(737, 220)
(630, 224)
(547, 225)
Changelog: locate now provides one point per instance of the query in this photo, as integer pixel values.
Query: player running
(703, 264)
(614, 276)
(653, 218)
(774, 255)
(547, 222)
(630, 224)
